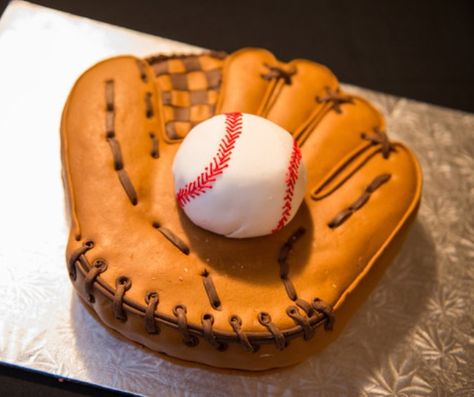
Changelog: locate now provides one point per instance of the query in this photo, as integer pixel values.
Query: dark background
(418, 49)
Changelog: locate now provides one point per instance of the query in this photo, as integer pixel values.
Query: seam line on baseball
(291, 178)
(206, 179)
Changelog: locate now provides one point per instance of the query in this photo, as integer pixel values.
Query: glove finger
(295, 103)
(358, 221)
(103, 155)
(339, 143)
(113, 152)
(256, 82)
(244, 86)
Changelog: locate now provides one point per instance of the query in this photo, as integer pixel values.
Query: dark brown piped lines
(276, 72)
(116, 152)
(149, 112)
(99, 266)
(76, 255)
(180, 312)
(283, 261)
(115, 145)
(151, 300)
(266, 320)
(155, 147)
(211, 290)
(109, 95)
(172, 238)
(110, 123)
(345, 214)
(142, 71)
(236, 324)
(380, 138)
(128, 186)
(122, 285)
(377, 182)
(335, 98)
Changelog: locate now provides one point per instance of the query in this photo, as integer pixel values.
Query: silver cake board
(413, 335)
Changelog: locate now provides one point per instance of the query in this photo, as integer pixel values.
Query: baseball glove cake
(228, 209)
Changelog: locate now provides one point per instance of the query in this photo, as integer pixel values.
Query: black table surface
(417, 49)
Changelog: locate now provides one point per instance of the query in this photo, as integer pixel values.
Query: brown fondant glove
(152, 275)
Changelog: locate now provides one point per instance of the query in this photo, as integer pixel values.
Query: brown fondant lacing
(301, 320)
(155, 148)
(180, 312)
(284, 266)
(116, 152)
(289, 288)
(332, 101)
(149, 112)
(276, 72)
(340, 218)
(151, 300)
(346, 213)
(109, 96)
(266, 320)
(379, 138)
(161, 58)
(115, 145)
(76, 254)
(322, 307)
(285, 269)
(127, 186)
(278, 77)
(377, 182)
(211, 290)
(236, 324)
(305, 306)
(335, 98)
(122, 285)
(207, 321)
(172, 238)
(285, 251)
(110, 123)
(142, 70)
(248, 340)
(99, 266)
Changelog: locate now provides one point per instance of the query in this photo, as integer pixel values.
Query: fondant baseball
(239, 175)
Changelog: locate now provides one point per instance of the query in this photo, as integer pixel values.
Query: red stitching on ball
(204, 182)
(291, 178)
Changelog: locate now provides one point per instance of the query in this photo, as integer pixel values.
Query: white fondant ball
(239, 175)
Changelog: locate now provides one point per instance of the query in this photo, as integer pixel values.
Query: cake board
(413, 335)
